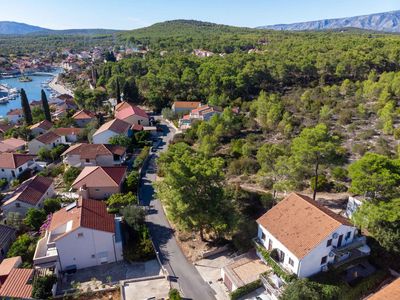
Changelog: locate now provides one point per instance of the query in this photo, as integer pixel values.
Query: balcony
(45, 255)
(273, 284)
(357, 249)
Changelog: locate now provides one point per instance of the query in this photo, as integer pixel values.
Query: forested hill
(186, 34)
(7, 27)
(385, 22)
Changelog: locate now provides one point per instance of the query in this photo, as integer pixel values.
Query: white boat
(3, 100)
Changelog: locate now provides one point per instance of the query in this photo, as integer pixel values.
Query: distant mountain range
(15, 28)
(386, 22)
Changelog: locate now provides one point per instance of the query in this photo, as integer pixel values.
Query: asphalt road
(192, 284)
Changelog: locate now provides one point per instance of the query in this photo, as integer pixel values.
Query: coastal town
(193, 160)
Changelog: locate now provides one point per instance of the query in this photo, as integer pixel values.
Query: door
(339, 243)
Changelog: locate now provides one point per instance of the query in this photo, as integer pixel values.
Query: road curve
(192, 284)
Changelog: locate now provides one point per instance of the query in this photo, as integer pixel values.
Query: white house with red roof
(307, 237)
(12, 144)
(14, 116)
(83, 117)
(14, 164)
(110, 129)
(40, 127)
(48, 140)
(97, 182)
(30, 194)
(80, 235)
(131, 114)
(185, 106)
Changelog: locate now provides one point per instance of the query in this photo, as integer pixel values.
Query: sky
(131, 14)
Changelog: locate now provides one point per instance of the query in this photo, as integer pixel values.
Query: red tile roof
(100, 177)
(31, 190)
(87, 213)
(47, 137)
(18, 284)
(11, 144)
(4, 127)
(187, 104)
(46, 125)
(116, 125)
(137, 127)
(14, 160)
(125, 109)
(67, 131)
(91, 151)
(300, 223)
(15, 112)
(83, 115)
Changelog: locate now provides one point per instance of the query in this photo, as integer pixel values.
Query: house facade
(83, 117)
(307, 237)
(110, 129)
(86, 223)
(30, 194)
(69, 134)
(12, 165)
(48, 140)
(14, 116)
(83, 155)
(100, 182)
(184, 106)
(41, 127)
(131, 114)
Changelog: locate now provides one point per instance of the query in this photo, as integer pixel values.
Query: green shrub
(322, 184)
(41, 288)
(70, 175)
(141, 157)
(118, 201)
(3, 183)
(23, 246)
(340, 173)
(132, 181)
(244, 290)
(174, 295)
(51, 205)
(34, 218)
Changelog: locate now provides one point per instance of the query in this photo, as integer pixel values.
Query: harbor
(10, 88)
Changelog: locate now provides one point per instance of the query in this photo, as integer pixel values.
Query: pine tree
(26, 108)
(45, 105)
(118, 92)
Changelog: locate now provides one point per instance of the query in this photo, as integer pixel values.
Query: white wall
(135, 119)
(7, 173)
(311, 263)
(34, 146)
(93, 242)
(103, 137)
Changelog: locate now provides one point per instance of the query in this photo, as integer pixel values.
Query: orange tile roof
(91, 151)
(187, 104)
(18, 284)
(15, 112)
(83, 115)
(388, 292)
(88, 213)
(100, 177)
(8, 264)
(300, 223)
(11, 144)
(14, 160)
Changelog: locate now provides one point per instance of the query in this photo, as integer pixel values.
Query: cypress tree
(45, 105)
(118, 92)
(26, 108)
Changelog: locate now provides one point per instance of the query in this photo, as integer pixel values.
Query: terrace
(45, 254)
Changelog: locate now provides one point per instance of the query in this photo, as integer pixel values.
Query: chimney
(84, 192)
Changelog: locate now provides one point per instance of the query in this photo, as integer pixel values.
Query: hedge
(244, 290)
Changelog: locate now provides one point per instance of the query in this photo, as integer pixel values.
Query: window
(20, 169)
(263, 236)
(17, 204)
(348, 234)
(2, 170)
(93, 256)
(97, 190)
(270, 244)
(323, 260)
(80, 234)
(291, 262)
(329, 243)
(87, 160)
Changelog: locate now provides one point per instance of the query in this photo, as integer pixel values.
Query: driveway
(171, 256)
(113, 272)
